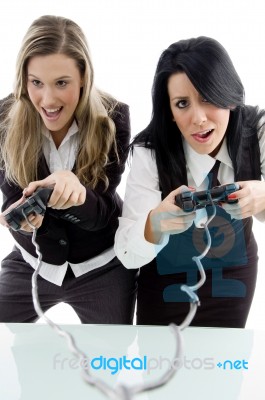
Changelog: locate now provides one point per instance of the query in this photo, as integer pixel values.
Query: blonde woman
(58, 130)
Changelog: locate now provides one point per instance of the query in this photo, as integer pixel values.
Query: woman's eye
(36, 82)
(182, 104)
(61, 83)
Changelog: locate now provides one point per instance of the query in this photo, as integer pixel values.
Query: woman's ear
(82, 81)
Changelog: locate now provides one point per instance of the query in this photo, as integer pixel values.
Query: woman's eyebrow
(56, 79)
(179, 97)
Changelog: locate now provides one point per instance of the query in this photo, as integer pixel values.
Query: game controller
(35, 204)
(190, 201)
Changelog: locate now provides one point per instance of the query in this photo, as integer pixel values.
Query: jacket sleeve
(102, 205)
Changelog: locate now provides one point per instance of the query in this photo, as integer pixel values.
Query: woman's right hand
(67, 189)
(168, 218)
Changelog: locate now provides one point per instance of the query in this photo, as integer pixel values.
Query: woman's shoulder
(115, 108)
(253, 116)
(140, 150)
(120, 115)
(5, 105)
(119, 111)
(7, 100)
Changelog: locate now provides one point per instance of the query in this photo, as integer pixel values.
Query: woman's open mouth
(52, 113)
(203, 136)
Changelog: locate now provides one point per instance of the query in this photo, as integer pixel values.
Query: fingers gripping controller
(190, 201)
(35, 204)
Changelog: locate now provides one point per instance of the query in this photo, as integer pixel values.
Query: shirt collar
(71, 131)
(200, 165)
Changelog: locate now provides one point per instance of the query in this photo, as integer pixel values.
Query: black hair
(210, 69)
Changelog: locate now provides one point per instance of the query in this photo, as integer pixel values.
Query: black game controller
(36, 203)
(190, 201)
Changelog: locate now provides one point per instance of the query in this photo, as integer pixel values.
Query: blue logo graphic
(117, 364)
(231, 365)
(228, 250)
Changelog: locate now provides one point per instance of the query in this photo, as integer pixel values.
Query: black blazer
(60, 239)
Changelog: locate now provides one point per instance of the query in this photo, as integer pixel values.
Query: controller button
(186, 195)
(188, 206)
(62, 242)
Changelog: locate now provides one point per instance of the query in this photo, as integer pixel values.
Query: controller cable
(124, 392)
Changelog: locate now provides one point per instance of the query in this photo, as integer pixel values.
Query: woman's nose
(199, 116)
(48, 97)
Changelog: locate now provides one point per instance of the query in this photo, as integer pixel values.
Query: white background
(126, 38)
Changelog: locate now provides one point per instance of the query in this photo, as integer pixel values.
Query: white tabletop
(35, 363)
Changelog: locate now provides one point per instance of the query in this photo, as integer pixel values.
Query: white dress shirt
(143, 194)
(64, 158)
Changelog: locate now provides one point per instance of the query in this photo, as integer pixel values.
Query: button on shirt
(64, 158)
(143, 195)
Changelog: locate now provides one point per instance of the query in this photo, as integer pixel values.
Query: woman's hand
(168, 218)
(2, 216)
(67, 192)
(251, 200)
(35, 220)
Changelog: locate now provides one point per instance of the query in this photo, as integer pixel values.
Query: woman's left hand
(35, 219)
(67, 192)
(251, 200)
(16, 204)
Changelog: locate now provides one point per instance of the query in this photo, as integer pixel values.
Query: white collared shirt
(143, 194)
(64, 158)
(199, 165)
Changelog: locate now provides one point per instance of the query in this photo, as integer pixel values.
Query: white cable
(124, 392)
(191, 289)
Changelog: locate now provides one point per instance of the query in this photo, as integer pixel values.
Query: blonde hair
(22, 139)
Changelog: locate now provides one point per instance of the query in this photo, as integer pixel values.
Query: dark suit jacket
(92, 231)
